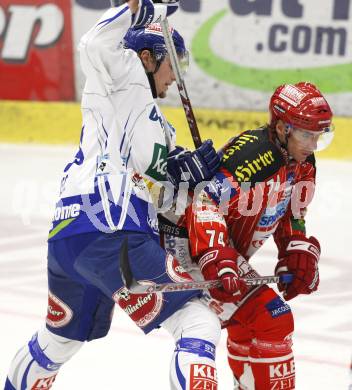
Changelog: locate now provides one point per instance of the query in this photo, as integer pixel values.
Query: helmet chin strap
(151, 80)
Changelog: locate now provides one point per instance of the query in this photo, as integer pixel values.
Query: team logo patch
(277, 307)
(202, 377)
(44, 383)
(175, 271)
(59, 314)
(142, 308)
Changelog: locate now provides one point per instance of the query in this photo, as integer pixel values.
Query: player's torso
(249, 231)
(264, 181)
(123, 137)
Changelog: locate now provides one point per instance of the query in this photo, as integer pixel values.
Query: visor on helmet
(315, 140)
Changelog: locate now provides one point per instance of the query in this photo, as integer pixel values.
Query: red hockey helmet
(302, 106)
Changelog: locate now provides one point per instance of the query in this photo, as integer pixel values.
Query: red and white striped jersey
(257, 192)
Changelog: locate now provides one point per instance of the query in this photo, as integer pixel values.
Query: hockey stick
(144, 287)
(186, 103)
(147, 287)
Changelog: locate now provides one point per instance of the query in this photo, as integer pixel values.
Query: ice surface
(126, 359)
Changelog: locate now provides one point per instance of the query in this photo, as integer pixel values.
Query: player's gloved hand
(227, 265)
(193, 167)
(299, 256)
(152, 11)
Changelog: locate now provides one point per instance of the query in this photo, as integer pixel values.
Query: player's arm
(101, 48)
(298, 254)
(210, 246)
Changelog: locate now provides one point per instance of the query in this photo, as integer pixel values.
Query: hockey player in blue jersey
(106, 201)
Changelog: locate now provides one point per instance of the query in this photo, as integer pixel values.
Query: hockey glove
(299, 256)
(153, 11)
(193, 167)
(227, 265)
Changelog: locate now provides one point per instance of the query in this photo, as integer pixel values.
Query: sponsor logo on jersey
(59, 314)
(66, 212)
(178, 247)
(170, 230)
(272, 214)
(175, 270)
(203, 376)
(277, 307)
(245, 172)
(269, 220)
(142, 308)
(238, 145)
(103, 163)
(153, 223)
(44, 383)
(157, 168)
(138, 181)
(209, 214)
(169, 244)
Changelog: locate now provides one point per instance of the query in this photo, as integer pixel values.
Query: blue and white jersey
(124, 140)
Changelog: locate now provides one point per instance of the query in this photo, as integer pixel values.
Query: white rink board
(126, 359)
(300, 46)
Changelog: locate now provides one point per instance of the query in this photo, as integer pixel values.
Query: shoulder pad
(252, 157)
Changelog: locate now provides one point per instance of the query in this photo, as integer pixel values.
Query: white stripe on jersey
(105, 202)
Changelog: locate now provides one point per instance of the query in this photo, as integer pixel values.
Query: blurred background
(240, 51)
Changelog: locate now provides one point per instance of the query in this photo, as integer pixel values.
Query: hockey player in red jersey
(106, 206)
(262, 188)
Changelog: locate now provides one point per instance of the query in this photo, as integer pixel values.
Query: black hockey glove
(192, 167)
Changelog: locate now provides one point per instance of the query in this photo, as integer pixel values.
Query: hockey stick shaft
(186, 103)
(136, 287)
(147, 286)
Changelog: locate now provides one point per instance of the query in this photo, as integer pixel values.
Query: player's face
(302, 143)
(164, 77)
